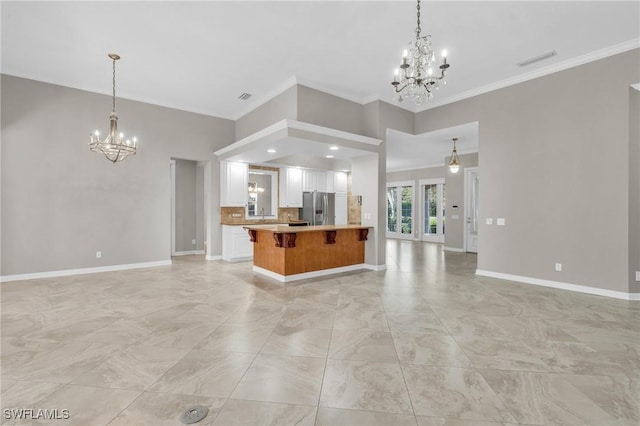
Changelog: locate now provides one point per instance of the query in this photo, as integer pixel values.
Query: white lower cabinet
(236, 245)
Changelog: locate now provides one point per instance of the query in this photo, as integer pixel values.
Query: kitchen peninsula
(289, 253)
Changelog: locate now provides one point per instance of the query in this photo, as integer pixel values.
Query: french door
(433, 210)
(400, 210)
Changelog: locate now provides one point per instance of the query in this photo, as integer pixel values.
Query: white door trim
(172, 184)
(467, 172)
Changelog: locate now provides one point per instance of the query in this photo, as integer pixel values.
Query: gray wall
(454, 184)
(550, 153)
(280, 107)
(187, 205)
(634, 189)
(61, 202)
(326, 110)
(417, 174)
(201, 225)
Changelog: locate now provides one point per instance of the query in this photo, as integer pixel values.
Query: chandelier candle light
(415, 78)
(115, 147)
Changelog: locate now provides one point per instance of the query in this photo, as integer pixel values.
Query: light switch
(489, 221)
(500, 221)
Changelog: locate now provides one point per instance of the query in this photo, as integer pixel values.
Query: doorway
(471, 189)
(400, 210)
(188, 219)
(432, 197)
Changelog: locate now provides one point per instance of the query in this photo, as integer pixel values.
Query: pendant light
(454, 163)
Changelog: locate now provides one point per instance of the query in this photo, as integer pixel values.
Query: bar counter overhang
(289, 253)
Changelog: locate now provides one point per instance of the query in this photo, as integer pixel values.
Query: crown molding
(560, 66)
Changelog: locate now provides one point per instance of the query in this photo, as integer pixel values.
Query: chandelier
(454, 163)
(254, 190)
(115, 147)
(415, 78)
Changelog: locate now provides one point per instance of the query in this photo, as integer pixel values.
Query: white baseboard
(237, 259)
(187, 253)
(313, 274)
(375, 267)
(560, 285)
(459, 250)
(67, 272)
(217, 257)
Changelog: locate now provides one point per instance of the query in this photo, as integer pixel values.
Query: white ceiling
(200, 56)
(408, 152)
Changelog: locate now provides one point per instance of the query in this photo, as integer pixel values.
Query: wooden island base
(294, 253)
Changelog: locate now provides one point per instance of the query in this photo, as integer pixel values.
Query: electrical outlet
(500, 221)
(193, 241)
(98, 254)
(558, 267)
(489, 221)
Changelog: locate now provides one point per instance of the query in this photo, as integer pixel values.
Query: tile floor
(425, 342)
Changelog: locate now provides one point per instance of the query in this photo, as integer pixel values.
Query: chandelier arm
(418, 30)
(400, 89)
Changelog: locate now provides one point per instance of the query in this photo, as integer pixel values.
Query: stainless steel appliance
(318, 208)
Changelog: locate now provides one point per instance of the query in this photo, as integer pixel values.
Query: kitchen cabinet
(236, 244)
(314, 180)
(233, 184)
(340, 182)
(341, 209)
(290, 187)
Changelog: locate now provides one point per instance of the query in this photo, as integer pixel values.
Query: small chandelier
(454, 163)
(416, 78)
(115, 147)
(254, 190)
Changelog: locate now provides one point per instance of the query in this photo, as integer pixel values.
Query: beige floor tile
(457, 393)
(440, 421)
(204, 373)
(243, 413)
(360, 317)
(338, 417)
(541, 398)
(285, 379)
(365, 385)
(135, 368)
(295, 341)
(88, 405)
(410, 322)
(362, 344)
(16, 395)
(236, 338)
(429, 349)
(161, 409)
(316, 316)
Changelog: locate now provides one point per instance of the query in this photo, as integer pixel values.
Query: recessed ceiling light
(271, 151)
(329, 156)
(334, 148)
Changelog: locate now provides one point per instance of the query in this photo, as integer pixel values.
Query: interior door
(400, 210)
(472, 211)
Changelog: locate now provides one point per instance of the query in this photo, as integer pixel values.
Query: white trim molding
(188, 252)
(455, 249)
(68, 272)
(217, 257)
(560, 285)
(312, 274)
(375, 267)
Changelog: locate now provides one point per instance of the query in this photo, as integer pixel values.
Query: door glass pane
(431, 209)
(444, 199)
(407, 209)
(392, 210)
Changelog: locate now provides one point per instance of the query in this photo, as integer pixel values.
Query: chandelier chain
(114, 85)
(418, 30)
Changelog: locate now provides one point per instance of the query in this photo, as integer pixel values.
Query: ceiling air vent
(537, 59)
(244, 96)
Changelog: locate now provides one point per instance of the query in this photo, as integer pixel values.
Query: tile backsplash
(236, 216)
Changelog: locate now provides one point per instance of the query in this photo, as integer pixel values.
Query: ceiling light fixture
(115, 147)
(416, 74)
(271, 151)
(334, 148)
(454, 163)
(329, 156)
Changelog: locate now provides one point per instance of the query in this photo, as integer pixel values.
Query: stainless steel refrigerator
(318, 208)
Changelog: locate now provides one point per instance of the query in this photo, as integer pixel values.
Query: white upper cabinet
(314, 180)
(290, 187)
(339, 182)
(233, 184)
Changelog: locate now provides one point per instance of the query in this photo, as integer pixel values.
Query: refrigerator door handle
(325, 219)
